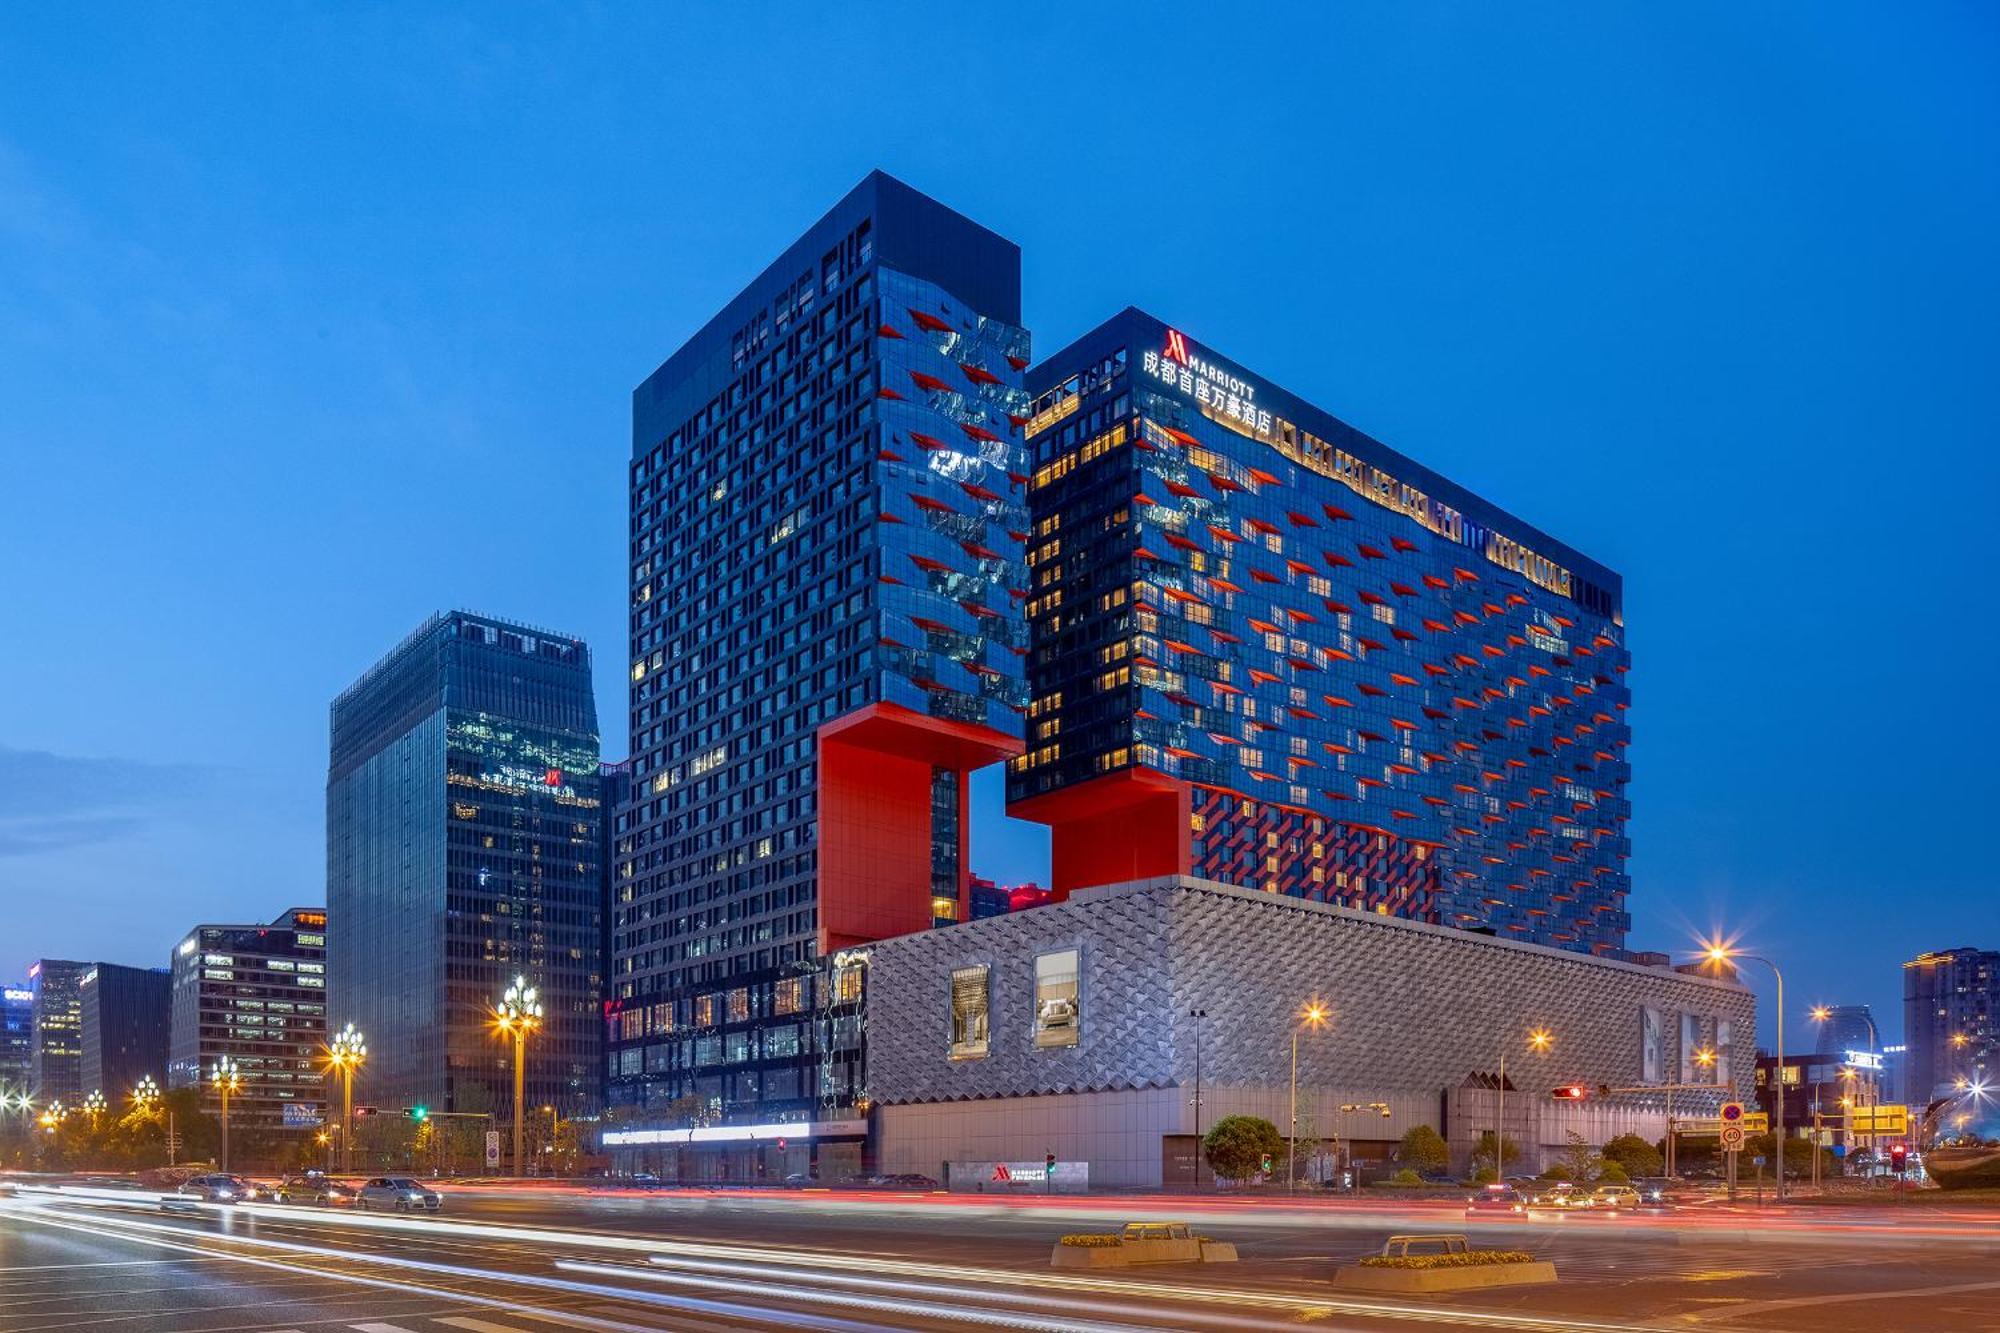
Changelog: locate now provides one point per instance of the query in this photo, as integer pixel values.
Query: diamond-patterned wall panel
(1415, 1008)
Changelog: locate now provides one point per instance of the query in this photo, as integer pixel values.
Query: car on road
(1615, 1196)
(908, 1180)
(643, 1180)
(398, 1192)
(213, 1187)
(1496, 1199)
(1654, 1190)
(1561, 1195)
(313, 1187)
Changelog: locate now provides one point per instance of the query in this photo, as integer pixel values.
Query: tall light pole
(93, 1106)
(1199, 1016)
(227, 1076)
(1312, 1016)
(518, 1013)
(1539, 1041)
(145, 1093)
(345, 1054)
(1722, 953)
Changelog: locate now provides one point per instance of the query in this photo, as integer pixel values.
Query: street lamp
(227, 1076)
(1313, 1016)
(1540, 1042)
(93, 1106)
(345, 1054)
(1199, 1016)
(518, 1013)
(145, 1093)
(1719, 954)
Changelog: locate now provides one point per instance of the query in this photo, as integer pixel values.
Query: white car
(398, 1192)
(1615, 1196)
(215, 1187)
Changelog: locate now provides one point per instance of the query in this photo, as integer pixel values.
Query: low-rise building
(1113, 1028)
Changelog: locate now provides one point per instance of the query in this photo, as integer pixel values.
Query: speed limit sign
(1732, 1138)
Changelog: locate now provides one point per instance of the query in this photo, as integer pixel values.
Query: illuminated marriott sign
(1231, 400)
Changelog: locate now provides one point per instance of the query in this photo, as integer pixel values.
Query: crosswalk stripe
(379, 1328)
(476, 1325)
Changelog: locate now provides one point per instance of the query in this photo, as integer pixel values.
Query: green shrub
(1558, 1171)
(1635, 1155)
(1088, 1240)
(1406, 1177)
(1612, 1174)
(1485, 1175)
(1423, 1151)
(1237, 1145)
(1464, 1259)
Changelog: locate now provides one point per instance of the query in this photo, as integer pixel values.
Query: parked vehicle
(398, 1192)
(214, 1187)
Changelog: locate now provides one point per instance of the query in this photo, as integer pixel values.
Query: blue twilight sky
(315, 320)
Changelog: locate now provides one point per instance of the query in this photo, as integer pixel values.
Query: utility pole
(1198, 1015)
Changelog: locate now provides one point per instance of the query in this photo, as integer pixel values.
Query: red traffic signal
(360, 1111)
(1899, 1153)
(1570, 1092)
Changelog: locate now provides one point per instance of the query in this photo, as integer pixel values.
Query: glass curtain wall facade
(826, 527)
(1951, 1021)
(256, 994)
(58, 1008)
(17, 1040)
(462, 849)
(1269, 650)
(124, 1027)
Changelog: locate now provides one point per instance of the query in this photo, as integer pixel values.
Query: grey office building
(463, 848)
(17, 1040)
(124, 1011)
(58, 1022)
(255, 994)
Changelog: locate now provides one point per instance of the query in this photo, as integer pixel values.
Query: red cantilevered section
(875, 835)
(1123, 826)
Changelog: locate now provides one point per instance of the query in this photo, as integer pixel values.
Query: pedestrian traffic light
(418, 1113)
(1570, 1092)
(1899, 1153)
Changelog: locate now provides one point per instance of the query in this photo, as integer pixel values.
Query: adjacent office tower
(826, 529)
(1272, 651)
(1847, 1027)
(58, 1007)
(17, 1040)
(1951, 1021)
(255, 994)
(462, 842)
(124, 1027)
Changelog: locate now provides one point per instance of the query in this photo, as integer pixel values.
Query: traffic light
(1266, 1167)
(360, 1111)
(418, 1113)
(1570, 1092)
(1899, 1154)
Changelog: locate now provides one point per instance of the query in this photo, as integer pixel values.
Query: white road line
(104, 1263)
(380, 1328)
(476, 1325)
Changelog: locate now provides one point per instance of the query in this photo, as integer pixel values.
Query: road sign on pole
(1732, 1138)
(492, 1149)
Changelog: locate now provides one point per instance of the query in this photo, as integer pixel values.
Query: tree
(1634, 1156)
(1581, 1158)
(1237, 1145)
(1423, 1150)
(1483, 1152)
(1612, 1174)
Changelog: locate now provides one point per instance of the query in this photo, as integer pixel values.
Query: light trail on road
(944, 1284)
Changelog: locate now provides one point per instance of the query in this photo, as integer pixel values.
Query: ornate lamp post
(93, 1106)
(518, 1013)
(345, 1054)
(145, 1094)
(227, 1076)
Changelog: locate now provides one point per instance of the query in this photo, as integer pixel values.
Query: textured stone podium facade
(1420, 1016)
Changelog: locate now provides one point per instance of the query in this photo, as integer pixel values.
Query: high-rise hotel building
(826, 577)
(1271, 651)
(462, 827)
(255, 994)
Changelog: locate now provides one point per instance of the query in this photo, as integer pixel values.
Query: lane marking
(1742, 1308)
(105, 1263)
(476, 1325)
(383, 1328)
